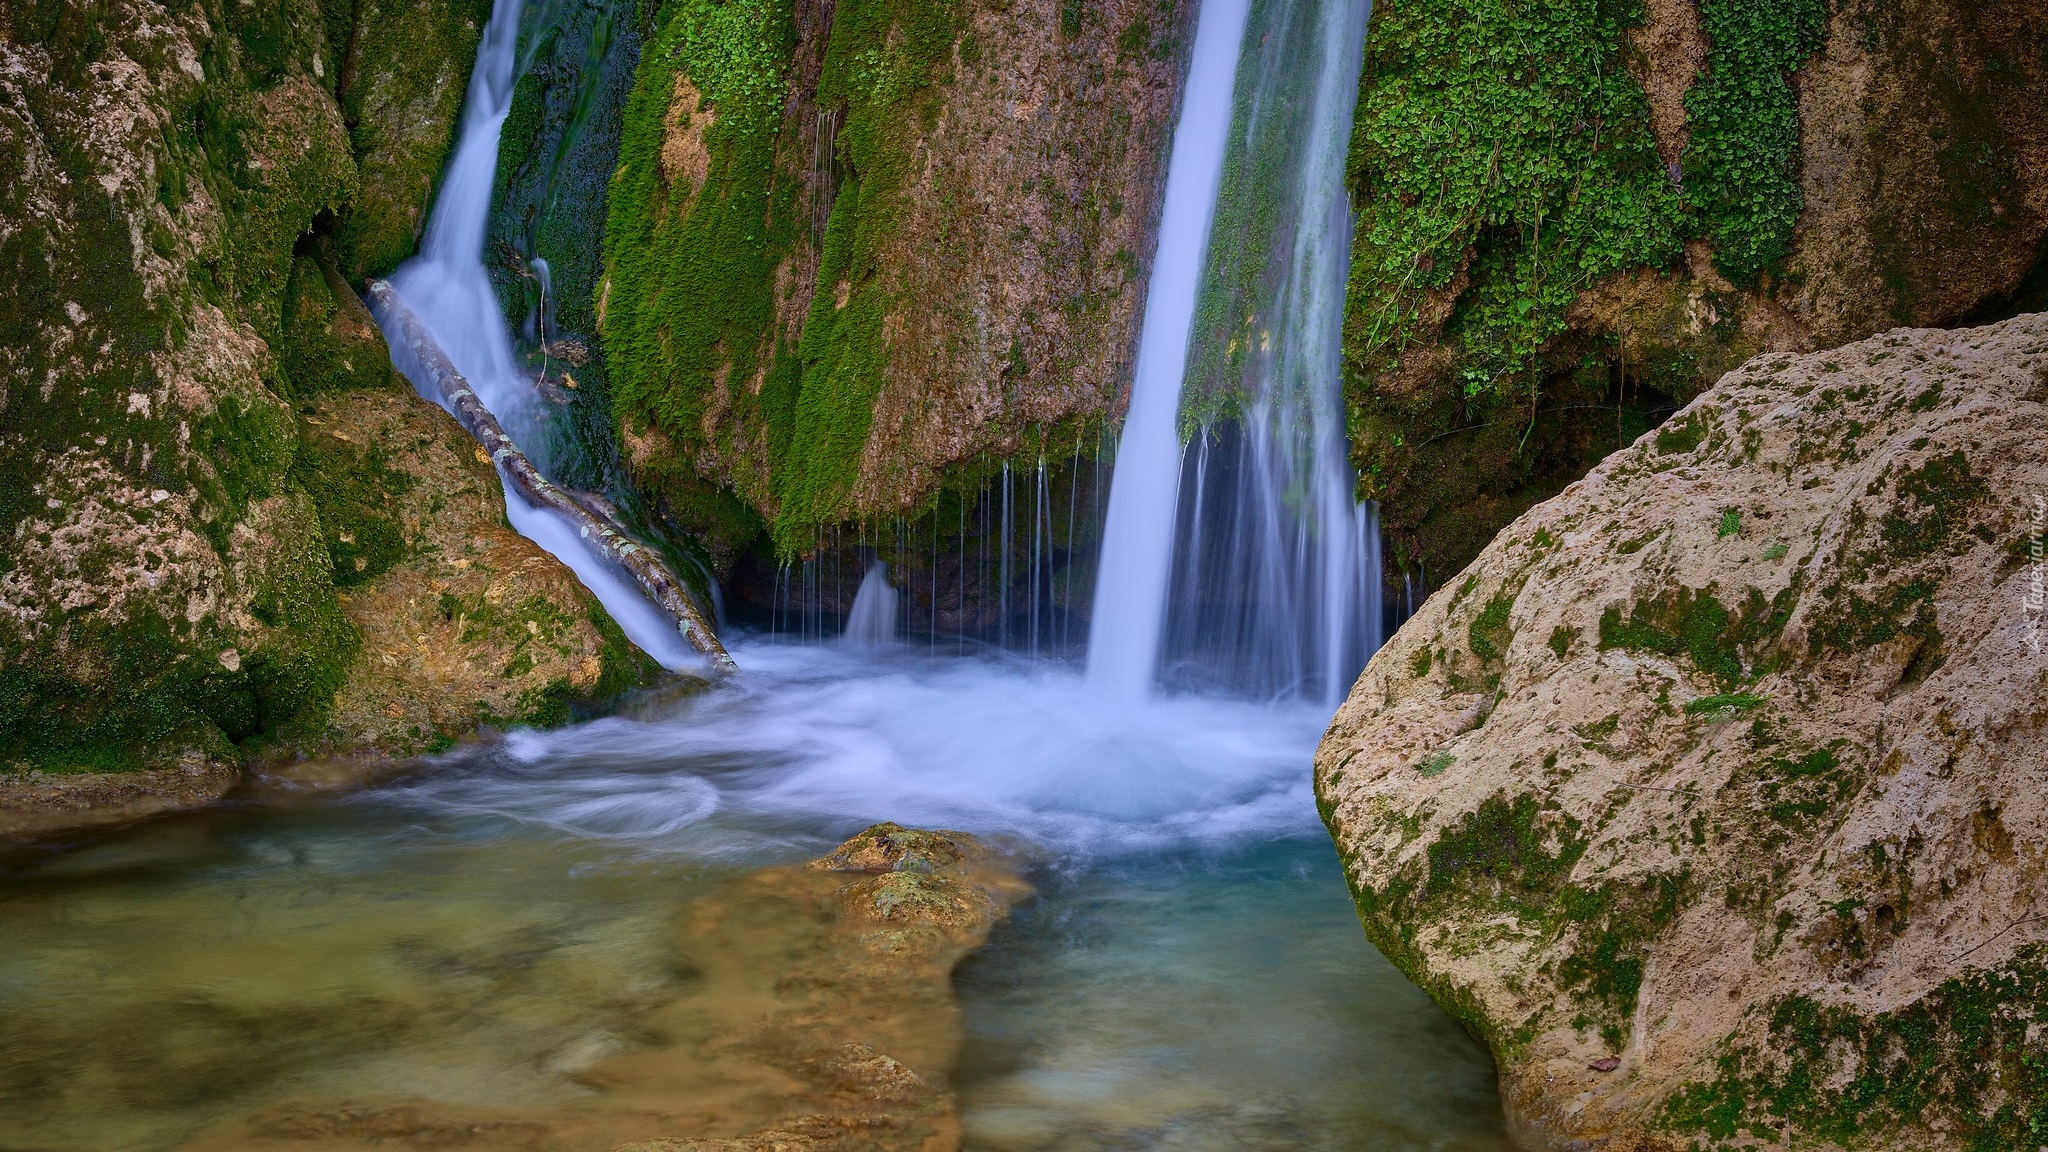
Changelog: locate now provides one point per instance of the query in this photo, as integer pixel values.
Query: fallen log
(647, 569)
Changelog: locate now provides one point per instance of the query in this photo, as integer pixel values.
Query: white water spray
(872, 622)
(1131, 585)
(447, 289)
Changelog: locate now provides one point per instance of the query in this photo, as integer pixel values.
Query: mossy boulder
(1707, 795)
(173, 526)
(842, 265)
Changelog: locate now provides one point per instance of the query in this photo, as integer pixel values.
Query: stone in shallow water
(819, 1015)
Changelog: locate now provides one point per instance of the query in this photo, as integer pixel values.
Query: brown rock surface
(820, 1019)
(1710, 794)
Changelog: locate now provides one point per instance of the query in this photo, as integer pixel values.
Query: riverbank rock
(226, 529)
(818, 1017)
(1710, 795)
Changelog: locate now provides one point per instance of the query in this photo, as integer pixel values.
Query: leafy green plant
(1742, 162)
(1501, 152)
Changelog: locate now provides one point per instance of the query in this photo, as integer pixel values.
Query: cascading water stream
(1277, 589)
(1131, 584)
(447, 290)
(872, 622)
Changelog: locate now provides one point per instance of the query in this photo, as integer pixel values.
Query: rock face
(1710, 795)
(820, 1019)
(1620, 204)
(853, 247)
(226, 529)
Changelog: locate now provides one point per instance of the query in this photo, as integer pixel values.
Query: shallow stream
(1190, 976)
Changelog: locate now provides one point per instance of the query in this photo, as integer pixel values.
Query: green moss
(1682, 436)
(1961, 1059)
(1732, 703)
(1797, 791)
(1692, 623)
(1742, 161)
(1466, 108)
(1507, 841)
(1562, 638)
(1613, 925)
(1489, 634)
(400, 84)
(693, 294)
(1437, 763)
(1942, 493)
(1730, 525)
(1418, 664)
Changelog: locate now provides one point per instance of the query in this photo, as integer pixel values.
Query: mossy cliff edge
(218, 507)
(853, 248)
(1575, 217)
(1710, 794)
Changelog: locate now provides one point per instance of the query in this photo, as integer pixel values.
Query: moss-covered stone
(1756, 866)
(840, 269)
(1546, 266)
(181, 494)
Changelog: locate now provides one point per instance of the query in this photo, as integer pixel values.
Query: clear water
(1191, 975)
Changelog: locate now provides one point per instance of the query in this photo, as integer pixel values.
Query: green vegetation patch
(1742, 161)
(1503, 148)
(1964, 1059)
(1729, 646)
(1941, 494)
(1506, 842)
(693, 268)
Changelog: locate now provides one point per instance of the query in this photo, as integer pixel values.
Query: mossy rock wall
(852, 250)
(174, 183)
(1576, 217)
(1708, 794)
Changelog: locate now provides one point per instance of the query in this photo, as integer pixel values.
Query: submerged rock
(1710, 794)
(818, 1017)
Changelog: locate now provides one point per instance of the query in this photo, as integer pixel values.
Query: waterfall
(1240, 559)
(872, 621)
(446, 288)
(1131, 584)
(1278, 585)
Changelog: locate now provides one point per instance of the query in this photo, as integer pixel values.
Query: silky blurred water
(1191, 976)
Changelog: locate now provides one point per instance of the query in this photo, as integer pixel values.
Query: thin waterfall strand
(1137, 549)
(446, 287)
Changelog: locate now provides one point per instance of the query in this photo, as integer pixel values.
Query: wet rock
(1709, 795)
(227, 531)
(818, 1017)
(892, 847)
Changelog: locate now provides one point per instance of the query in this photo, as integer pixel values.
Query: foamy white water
(827, 740)
(1137, 547)
(447, 288)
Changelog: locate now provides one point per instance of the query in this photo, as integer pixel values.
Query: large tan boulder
(1711, 794)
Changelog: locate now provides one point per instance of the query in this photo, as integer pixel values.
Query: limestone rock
(933, 268)
(1710, 794)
